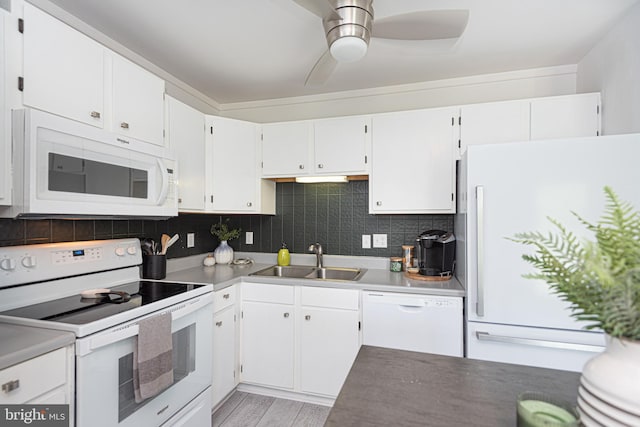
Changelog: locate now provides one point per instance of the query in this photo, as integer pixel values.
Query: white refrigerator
(509, 188)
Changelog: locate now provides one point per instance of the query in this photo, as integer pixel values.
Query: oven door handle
(119, 333)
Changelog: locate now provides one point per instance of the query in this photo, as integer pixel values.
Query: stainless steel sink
(304, 272)
(280, 271)
(335, 273)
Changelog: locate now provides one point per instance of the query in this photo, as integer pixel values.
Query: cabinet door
(63, 69)
(285, 149)
(5, 119)
(268, 344)
(185, 133)
(493, 123)
(340, 145)
(413, 164)
(224, 355)
(138, 100)
(565, 116)
(329, 342)
(234, 165)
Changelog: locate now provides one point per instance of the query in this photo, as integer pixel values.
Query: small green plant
(600, 279)
(222, 232)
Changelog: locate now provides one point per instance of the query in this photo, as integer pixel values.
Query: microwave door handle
(164, 190)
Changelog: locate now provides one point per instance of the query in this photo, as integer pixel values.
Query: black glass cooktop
(79, 311)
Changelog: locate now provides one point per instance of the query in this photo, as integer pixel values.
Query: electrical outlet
(191, 240)
(366, 241)
(379, 240)
(248, 238)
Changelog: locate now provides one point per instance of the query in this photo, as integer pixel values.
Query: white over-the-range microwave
(63, 168)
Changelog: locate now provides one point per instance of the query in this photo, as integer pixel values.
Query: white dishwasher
(424, 323)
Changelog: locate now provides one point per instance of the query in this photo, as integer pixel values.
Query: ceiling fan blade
(425, 25)
(322, 70)
(321, 8)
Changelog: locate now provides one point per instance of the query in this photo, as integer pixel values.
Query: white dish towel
(153, 357)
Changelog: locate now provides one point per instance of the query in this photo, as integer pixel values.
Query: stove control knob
(8, 264)
(29, 261)
(131, 250)
(120, 251)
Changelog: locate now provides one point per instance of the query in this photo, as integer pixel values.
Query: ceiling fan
(349, 26)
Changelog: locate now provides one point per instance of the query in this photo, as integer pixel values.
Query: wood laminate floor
(252, 410)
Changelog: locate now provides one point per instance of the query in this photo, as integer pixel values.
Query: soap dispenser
(284, 258)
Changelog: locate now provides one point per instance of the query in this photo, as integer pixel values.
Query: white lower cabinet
(328, 346)
(267, 344)
(299, 338)
(45, 379)
(224, 377)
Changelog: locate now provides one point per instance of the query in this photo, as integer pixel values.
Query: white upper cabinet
(340, 145)
(337, 146)
(286, 149)
(185, 130)
(493, 123)
(565, 116)
(413, 164)
(234, 183)
(138, 98)
(63, 69)
(69, 74)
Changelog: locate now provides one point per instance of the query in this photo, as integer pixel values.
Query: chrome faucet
(317, 249)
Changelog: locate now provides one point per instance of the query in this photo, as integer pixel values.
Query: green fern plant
(601, 278)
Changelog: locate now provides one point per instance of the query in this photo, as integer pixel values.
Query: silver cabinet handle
(301, 166)
(286, 315)
(219, 323)
(480, 250)
(378, 203)
(307, 317)
(9, 386)
(320, 165)
(249, 204)
(124, 125)
(179, 199)
(211, 198)
(95, 114)
(485, 336)
(225, 296)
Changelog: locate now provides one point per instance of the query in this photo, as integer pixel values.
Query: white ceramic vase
(223, 253)
(610, 385)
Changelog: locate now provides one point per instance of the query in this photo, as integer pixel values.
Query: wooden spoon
(164, 241)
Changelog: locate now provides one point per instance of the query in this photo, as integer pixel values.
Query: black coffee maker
(436, 253)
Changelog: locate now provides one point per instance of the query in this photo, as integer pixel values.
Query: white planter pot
(609, 391)
(223, 253)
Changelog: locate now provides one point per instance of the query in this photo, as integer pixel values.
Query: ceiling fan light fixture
(348, 49)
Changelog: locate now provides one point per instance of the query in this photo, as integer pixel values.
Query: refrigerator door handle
(480, 250)
(485, 336)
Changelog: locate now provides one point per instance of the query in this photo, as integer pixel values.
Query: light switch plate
(191, 240)
(379, 240)
(248, 238)
(366, 241)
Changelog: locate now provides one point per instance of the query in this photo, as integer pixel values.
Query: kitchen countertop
(20, 343)
(375, 279)
(401, 388)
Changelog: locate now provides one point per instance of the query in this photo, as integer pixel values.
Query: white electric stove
(43, 286)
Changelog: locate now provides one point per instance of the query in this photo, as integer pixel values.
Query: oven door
(104, 370)
(72, 168)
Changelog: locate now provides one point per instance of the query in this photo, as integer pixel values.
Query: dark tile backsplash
(336, 215)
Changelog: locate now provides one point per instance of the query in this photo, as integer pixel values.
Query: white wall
(550, 81)
(612, 67)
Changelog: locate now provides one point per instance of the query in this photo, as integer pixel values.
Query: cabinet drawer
(36, 376)
(347, 299)
(224, 298)
(279, 294)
